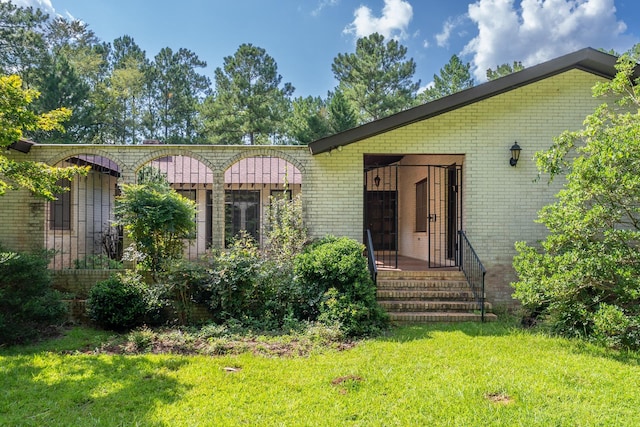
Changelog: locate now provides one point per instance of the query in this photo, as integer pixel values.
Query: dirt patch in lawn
(499, 398)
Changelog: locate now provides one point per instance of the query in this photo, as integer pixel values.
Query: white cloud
(394, 22)
(442, 38)
(45, 5)
(323, 4)
(425, 87)
(540, 30)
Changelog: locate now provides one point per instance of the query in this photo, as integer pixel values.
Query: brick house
(414, 179)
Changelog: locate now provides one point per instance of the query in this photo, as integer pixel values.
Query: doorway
(413, 208)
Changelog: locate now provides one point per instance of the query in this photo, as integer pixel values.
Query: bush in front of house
(582, 279)
(334, 286)
(118, 303)
(28, 304)
(236, 286)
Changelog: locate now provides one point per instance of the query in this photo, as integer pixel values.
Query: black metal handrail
(473, 270)
(371, 258)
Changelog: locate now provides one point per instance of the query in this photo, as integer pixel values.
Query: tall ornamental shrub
(158, 220)
(584, 278)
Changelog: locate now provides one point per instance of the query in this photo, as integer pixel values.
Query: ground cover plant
(436, 375)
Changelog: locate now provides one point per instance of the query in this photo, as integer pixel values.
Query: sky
(304, 36)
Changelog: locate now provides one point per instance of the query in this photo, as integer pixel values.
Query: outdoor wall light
(376, 180)
(515, 154)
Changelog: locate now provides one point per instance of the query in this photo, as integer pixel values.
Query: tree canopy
(250, 102)
(454, 77)
(15, 119)
(504, 70)
(376, 79)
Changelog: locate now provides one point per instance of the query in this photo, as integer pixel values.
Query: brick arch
(265, 152)
(113, 156)
(173, 152)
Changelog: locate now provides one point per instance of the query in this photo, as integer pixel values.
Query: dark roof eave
(588, 59)
(22, 145)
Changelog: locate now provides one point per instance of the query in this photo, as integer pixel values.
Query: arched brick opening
(194, 180)
(79, 229)
(250, 183)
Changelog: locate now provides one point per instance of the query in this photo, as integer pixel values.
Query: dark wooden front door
(382, 210)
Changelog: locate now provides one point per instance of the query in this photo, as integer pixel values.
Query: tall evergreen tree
(341, 114)
(454, 77)
(67, 75)
(377, 79)
(504, 70)
(22, 44)
(176, 92)
(308, 120)
(249, 104)
(124, 91)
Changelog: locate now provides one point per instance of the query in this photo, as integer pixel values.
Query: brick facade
(500, 202)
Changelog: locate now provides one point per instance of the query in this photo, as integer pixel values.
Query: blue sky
(305, 36)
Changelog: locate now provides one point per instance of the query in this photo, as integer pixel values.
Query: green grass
(440, 375)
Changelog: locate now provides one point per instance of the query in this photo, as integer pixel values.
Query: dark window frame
(60, 209)
(422, 205)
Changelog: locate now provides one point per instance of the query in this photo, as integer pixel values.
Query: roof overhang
(22, 145)
(588, 59)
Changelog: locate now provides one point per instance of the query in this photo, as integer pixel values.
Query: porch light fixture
(515, 154)
(376, 180)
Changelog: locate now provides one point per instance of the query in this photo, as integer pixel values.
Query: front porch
(405, 263)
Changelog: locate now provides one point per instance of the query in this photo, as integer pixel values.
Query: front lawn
(449, 375)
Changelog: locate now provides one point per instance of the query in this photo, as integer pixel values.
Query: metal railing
(473, 270)
(371, 258)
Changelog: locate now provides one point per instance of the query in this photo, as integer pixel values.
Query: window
(60, 209)
(191, 195)
(422, 205)
(241, 212)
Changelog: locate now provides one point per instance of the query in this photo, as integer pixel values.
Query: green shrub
(97, 262)
(582, 279)
(284, 233)
(235, 285)
(27, 303)
(334, 285)
(186, 283)
(118, 303)
(615, 328)
(157, 219)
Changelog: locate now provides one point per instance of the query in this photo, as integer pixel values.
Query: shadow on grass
(53, 389)
(503, 328)
(585, 348)
(413, 332)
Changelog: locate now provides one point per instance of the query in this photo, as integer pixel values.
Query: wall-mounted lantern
(515, 154)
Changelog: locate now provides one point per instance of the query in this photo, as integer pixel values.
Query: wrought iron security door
(434, 191)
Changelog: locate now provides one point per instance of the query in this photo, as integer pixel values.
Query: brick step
(422, 275)
(435, 305)
(422, 284)
(430, 317)
(424, 294)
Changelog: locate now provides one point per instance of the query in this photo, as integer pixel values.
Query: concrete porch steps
(428, 296)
